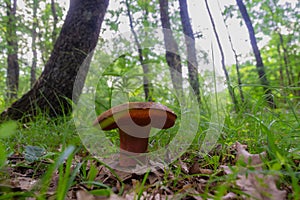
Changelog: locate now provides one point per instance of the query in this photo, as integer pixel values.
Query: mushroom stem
(131, 147)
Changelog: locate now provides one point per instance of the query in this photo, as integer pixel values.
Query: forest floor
(257, 157)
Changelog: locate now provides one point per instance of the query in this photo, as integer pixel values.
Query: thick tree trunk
(230, 89)
(54, 88)
(190, 46)
(146, 84)
(259, 62)
(172, 53)
(12, 79)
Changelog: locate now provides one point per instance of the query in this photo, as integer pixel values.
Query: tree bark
(12, 79)
(288, 70)
(259, 63)
(53, 90)
(146, 84)
(237, 65)
(33, 44)
(172, 52)
(191, 48)
(230, 89)
(281, 76)
(55, 20)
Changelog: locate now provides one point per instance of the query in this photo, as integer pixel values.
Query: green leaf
(100, 192)
(2, 155)
(33, 153)
(92, 173)
(276, 166)
(7, 129)
(99, 184)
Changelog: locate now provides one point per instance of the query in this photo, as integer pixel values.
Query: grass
(66, 167)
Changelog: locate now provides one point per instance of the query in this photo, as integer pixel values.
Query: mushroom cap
(141, 113)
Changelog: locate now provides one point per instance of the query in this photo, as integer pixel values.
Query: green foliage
(65, 178)
(24, 20)
(6, 130)
(33, 153)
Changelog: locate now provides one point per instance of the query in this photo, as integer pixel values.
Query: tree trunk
(237, 68)
(55, 20)
(259, 62)
(190, 46)
(288, 70)
(298, 85)
(230, 89)
(53, 90)
(281, 76)
(12, 79)
(172, 53)
(146, 84)
(237, 65)
(33, 43)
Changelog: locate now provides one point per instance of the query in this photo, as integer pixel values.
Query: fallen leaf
(24, 183)
(152, 177)
(257, 185)
(84, 195)
(183, 166)
(252, 159)
(229, 196)
(195, 169)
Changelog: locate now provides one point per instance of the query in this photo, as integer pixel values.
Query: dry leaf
(84, 195)
(115, 197)
(153, 177)
(229, 196)
(183, 166)
(23, 182)
(257, 185)
(195, 169)
(251, 159)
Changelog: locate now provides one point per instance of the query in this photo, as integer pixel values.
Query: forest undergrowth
(256, 157)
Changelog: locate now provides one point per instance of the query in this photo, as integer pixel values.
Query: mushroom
(134, 121)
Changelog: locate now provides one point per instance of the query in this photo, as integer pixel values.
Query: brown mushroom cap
(141, 113)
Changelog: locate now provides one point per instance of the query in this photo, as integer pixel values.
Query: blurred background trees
(30, 29)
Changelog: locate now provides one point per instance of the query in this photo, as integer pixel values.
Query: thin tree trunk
(259, 62)
(237, 68)
(237, 65)
(12, 79)
(55, 21)
(288, 70)
(146, 83)
(298, 83)
(33, 43)
(190, 46)
(230, 89)
(281, 77)
(172, 52)
(285, 60)
(53, 90)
